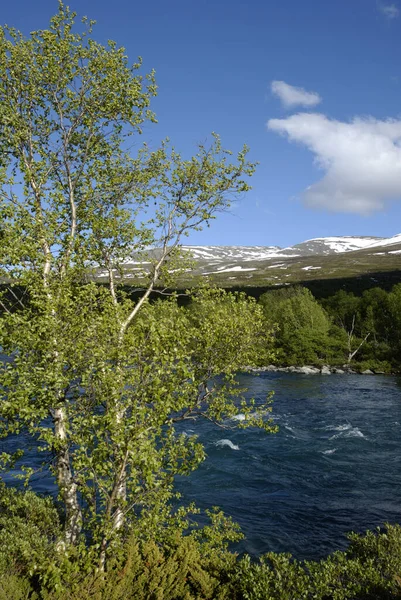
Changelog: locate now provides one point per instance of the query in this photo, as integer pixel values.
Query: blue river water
(334, 466)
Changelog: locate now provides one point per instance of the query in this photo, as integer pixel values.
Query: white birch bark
(65, 480)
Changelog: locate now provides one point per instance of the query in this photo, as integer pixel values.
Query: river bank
(311, 370)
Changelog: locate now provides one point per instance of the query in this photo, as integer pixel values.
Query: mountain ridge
(332, 257)
(320, 245)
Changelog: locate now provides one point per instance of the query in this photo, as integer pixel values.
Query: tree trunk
(118, 496)
(120, 490)
(350, 334)
(65, 480)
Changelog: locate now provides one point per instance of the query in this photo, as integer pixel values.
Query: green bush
(374, 365)
(29, 527)
(275, 576)
(369, 570)
(15, 587)
(34, 566)
(145, 571)
(197, 566)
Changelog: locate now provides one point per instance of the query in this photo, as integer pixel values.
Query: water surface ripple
(332, 468)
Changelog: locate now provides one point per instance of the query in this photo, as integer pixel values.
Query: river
(333, 467)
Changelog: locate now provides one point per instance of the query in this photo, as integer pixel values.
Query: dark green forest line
(343, 329)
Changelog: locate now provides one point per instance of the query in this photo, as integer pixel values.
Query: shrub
(145, 571)
(29, 526)
(15, 587)
(197, 566)
(369, 570)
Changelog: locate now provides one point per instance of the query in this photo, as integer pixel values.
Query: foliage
(368, 570)
(16, 587)
(29, 526)
(193, 566)
(393, 321)
(343, 329)
(31, 565)
(276, 576)
(302, 325)
(374, 314)
(94, 380)
(174, 364)
(145, 571)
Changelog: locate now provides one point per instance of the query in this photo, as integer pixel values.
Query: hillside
(266, 266)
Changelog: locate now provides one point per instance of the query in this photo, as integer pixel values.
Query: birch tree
(95, 380)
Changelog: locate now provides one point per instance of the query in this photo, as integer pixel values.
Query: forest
(341, 330)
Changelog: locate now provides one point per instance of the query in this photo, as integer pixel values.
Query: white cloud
(361, 160)
(391, 11)
(291, 96)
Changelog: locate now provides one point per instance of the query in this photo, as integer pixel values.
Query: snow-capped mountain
(310, 259)
(318, 258)
(316, 246)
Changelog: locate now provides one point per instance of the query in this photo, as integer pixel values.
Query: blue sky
(329, 154)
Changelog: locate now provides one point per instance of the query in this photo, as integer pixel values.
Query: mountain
(316, 246)
(322, 258)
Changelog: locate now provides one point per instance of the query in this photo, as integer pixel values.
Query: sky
(313, 87)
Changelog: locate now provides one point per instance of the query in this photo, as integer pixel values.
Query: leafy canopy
(95, 380)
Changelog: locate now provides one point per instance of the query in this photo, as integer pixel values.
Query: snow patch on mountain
(228, 269)
(334, 245)
(233, 252)
(383, 242)
(346, 243)
(237, 268)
